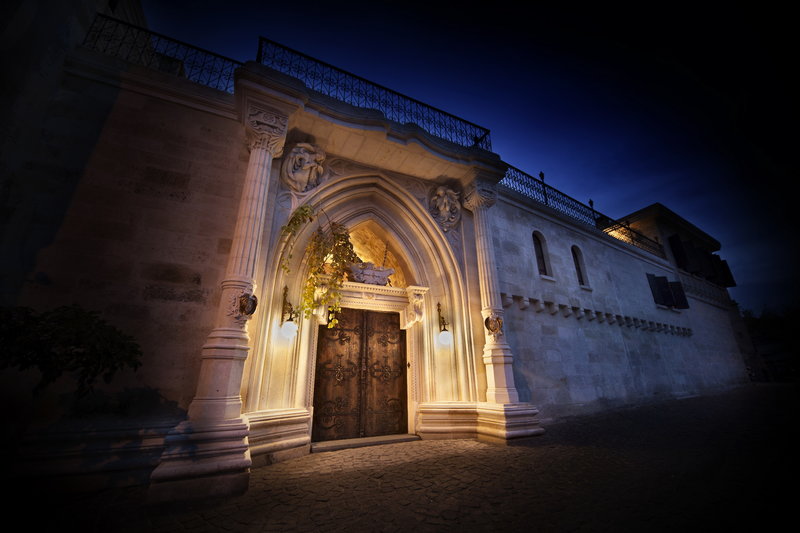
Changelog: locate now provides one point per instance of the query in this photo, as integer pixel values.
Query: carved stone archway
(278, 389)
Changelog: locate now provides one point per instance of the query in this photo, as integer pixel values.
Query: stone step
(343, 444)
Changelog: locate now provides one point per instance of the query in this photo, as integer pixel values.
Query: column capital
(266, 129)
(480, 193)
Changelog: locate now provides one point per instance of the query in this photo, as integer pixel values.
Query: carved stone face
(302, 168)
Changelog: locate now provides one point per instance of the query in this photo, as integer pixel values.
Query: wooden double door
(360, 378)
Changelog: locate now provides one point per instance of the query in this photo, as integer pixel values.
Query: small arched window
(580, 267)
(540, 249)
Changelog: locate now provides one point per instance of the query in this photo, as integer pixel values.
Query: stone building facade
(159, 202)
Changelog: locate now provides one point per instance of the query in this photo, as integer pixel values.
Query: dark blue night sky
(687, 106)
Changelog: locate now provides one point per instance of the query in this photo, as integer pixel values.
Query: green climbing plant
(329, 254)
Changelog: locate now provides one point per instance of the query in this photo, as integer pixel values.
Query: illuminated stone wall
(606, 343)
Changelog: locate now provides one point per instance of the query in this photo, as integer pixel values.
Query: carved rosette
(302, 169)
(266, 129)
(480, 194)
(444, 207)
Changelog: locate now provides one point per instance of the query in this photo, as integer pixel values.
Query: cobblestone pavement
(721, 462)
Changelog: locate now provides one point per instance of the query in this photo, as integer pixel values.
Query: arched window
(540, 249)
(580, 267)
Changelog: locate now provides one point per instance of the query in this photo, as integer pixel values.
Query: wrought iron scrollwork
(339, 371)
(384, 338)
(143, 47)
(356, 91)
(384, 371)
(329, 414)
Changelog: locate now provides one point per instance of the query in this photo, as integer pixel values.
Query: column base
(508, 422)
(484, 421)
(202, 460)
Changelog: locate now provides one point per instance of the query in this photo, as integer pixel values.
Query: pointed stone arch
(279, 378)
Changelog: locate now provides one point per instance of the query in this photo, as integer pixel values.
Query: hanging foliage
(329, 254)
(66, 340)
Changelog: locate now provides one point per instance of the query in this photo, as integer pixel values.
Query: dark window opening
(541, 263)
(577, 258)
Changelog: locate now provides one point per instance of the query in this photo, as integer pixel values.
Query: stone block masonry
(582, 347)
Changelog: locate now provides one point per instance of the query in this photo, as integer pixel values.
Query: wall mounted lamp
(288, 316)
(445, 336)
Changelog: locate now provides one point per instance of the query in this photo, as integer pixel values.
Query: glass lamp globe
(289, 329)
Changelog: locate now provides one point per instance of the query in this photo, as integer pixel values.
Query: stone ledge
(343, 444)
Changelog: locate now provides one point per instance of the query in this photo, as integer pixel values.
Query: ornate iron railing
(536, 189)
(149, 49)
(359, 92)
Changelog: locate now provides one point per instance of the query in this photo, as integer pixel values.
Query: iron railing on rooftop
(536, 189)
(149, 49)
(153, 50)
(359, 92)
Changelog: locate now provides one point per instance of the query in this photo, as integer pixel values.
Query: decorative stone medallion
(302, 167)
(494, 324)
(444, 207)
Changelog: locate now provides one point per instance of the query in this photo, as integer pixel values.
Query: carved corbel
(507, 300)
(415, 311)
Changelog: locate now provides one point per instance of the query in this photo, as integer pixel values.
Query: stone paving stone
(684, 465)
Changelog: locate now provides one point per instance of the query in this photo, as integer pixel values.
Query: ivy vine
(329, 254)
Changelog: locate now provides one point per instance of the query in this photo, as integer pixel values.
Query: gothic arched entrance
(389, 225)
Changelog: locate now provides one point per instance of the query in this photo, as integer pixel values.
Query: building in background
(161, 186)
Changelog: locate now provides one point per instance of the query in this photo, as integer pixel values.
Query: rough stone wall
(607, 343)
(145, 234)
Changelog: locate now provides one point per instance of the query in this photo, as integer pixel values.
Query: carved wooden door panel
(360, 380)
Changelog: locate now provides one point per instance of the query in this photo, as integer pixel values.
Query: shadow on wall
(50, 125)
(106, 440)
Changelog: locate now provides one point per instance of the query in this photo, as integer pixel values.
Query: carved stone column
(208, 454)
(497, 356)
